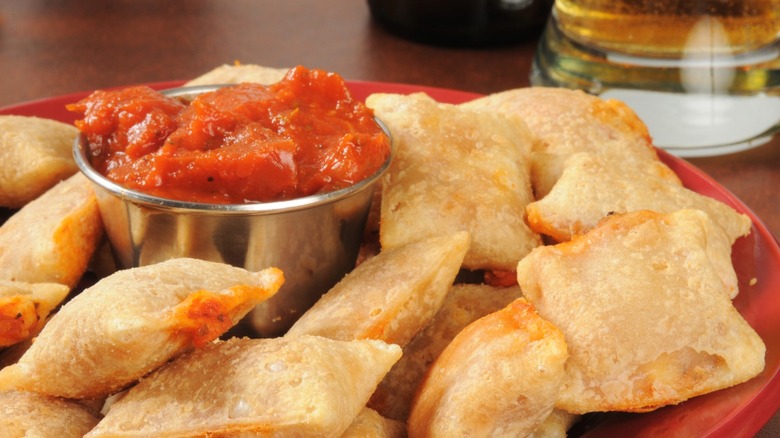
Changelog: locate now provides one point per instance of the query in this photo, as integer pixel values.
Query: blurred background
(136, 41)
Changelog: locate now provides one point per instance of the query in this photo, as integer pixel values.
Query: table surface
(55, 47)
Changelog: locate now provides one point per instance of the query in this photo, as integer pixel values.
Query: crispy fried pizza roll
(456, 169)
(51, 239)
(464, 304)
(302, 386)
(369, 424)
(645, 311)
(389, 297)
(35, 154)
(500, 376)
(590, 189)
(27, 414)
(24, 307)
(133, 321)
(570, 121)
(236, 73)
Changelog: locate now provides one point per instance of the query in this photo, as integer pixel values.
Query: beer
(702, 74)
(663, 28)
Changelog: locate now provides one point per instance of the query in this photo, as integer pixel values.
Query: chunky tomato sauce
(238, 144)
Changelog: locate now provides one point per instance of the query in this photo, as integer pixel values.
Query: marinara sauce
(239, 144)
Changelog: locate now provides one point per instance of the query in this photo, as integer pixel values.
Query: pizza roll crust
(369, 423)
(52, 239)
(570, 121)
(237, 73)
(132, 322)
(390, 297)
(456, 170)
(27, 414)
(499, 376)
(36, 154)
(645, 311)
(589, 189)
(464, 304)
(302, 386)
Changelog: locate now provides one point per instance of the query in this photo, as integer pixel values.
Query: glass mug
(703, 74)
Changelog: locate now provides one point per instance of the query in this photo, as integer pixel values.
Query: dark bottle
(462, 22)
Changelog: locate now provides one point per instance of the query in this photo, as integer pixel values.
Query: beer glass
(704, 75)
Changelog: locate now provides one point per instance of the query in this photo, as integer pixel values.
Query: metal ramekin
(314, 239)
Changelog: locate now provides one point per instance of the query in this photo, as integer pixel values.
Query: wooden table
(49, 48)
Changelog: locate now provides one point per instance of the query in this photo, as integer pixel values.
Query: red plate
(739, 411)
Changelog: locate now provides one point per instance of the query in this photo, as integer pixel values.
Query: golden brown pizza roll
(302, 386)
(456, 169)
(369, 424)
(133, 321)
(464, 304)
(570, 121)
(590, 189)
(51, 239)
(647, 316)
(236, 73)
(389, 297)
(35, 154)
(499, 376)
(27, 414)
(24, 307)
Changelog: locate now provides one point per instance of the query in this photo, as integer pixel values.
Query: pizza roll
(133, 321)
(302, 386)
(590, 189)
(499, 376)
(456, 170)
(389, 297)
(27, 414)
(52, 239)
(570, 121)
(237, 73)
(464, 304)
(647, 316)
(369, 424)
(35, 154)
(24, 307)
